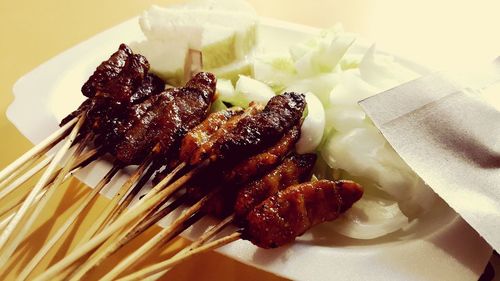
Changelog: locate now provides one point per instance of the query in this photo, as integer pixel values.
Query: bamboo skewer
(162, 237)
(158, 188)
(49, 142)
(61, 176)
(122, 205)
(200, 241)
(6, 220)
(134, 212)
(165, 265)
(105, 215)
(140, 226)
(123, 238)
(5, 249)
(210, 233)
(19, 171)
(147, 220)
(24, 177)
(70, 221)
(81, 162)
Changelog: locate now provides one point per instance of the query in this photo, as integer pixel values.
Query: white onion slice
(313, 126)
(370, 218)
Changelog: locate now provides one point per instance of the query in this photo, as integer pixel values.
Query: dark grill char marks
(201, 133)
(106, 71)
(200, 154)
(281, 218)
(172, 114)
(196, 137)
(257, 165)
(231, 177)
(203, 136)
(261, 130)
(117, 85)
(241, 199)
(293, 170)
(150, 86)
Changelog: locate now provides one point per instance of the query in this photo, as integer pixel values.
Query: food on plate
(172, 114)
(259, 163)
(331, 68)
(279, 219)
(199, 154)
(245, 147)
(281, 113)
(225, 33)
(131, 113)
(294, 169)
(201, 133)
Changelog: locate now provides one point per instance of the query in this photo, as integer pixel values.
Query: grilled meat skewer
(254, 132)
(279, 219)
(172, 114)
(294, 169)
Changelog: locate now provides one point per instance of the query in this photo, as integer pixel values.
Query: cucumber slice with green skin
(233, 71)
(224, 37)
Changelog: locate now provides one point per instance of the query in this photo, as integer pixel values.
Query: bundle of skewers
(237, 164)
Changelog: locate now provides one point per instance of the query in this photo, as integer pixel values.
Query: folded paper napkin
(450, 136)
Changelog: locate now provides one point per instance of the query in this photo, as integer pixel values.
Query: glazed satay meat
(108, 70)
(229, 178)
(172, 114)
(122, 66)
(261, 163)
(296, 168)
(115, 91)
(202, 133)
(255, 132)
(202, 136)
(239, 200)
(281, 218)
(200, 152)
(232, 178)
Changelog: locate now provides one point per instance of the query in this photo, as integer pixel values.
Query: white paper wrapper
(450, 137)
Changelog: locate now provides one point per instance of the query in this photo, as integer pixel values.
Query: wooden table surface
(443, 35)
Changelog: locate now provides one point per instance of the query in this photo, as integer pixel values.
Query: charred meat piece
(112, 120)
(234, 176)
(111, 69)
(122, 87)
(294, 169)
(253, 133)
(199, 154)
(281, 218)
(103, 109)
(151, 85)
(257, 165)
(201, 133)
(172, 114)
(196, 137)
(207, 179)
(117, 84)
(240, 199)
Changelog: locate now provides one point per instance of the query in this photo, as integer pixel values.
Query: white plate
(440, 246)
